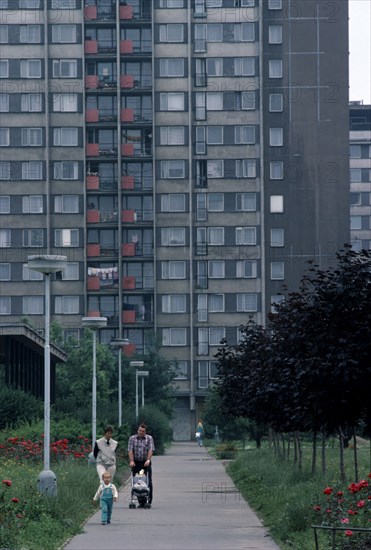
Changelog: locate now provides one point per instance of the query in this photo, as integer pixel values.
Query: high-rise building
(360, 175)
(188, 157)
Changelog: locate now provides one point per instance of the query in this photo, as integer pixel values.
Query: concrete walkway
(195, 506)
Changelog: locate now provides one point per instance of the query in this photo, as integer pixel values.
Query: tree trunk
(355, 454)
(283, 445)
(295, 450)
(323, 454)
(314, 453)
(289, 447)
(341, 456)
(300, 451)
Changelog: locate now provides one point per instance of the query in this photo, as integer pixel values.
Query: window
(4, 34)
(30, 34)
(173, 303)
(4, 103)
(32, 204)
(174, 337)
(66, 170)
(277, 270)
(31, 274)
(65, 137)
(214, 135)
(200, 30)
(71, 272)
(214, 101)
(4, 170)
(4, 272)
(276, 170)
(215, 303)
(172, 101)
(274, 4)
(5, 305)
(245, 101)
(275, 68)
(216, 335)
(173, 269)
(173, 236)
(277, 237)
(214, 32)
(65, 103)
(171, 4)
(66, 237)
(246, 168)
(214, 66)
(245, 202)
(355, 222)
(5, 240)
(172, 32)
(63, 4)
(29, 4)
(244, 134)
(215, 169)
(202, 366)
(246, 269)
(275, 34)
(215, 235)
(4, 137)
(64, 68)
(202, 307)
(33, 237)
(276, 204)
(66, 204)
(173, 202)
(355, 174)
(64, 34)
(215, 202)
(247, 302)
(32, 137)
(33, 305)
(31, 68)
(32, 170)
(172, 67)
(172, 169)
(181, 370)
(31, 103)
(355, 151)
(275, 103)
(275, 300)
(245, 235)
(216, 269)
(243, 32)
(200, 106)
(67, 305)
(276, 137)
(172, 135)
(4, 68)
(244, 66)
(4, 204)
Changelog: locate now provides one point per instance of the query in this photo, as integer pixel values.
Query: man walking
(140, 450)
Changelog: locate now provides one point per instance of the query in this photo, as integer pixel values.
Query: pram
(139, 490)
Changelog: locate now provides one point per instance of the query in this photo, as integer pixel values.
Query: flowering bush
(20, 449)
(346, 510)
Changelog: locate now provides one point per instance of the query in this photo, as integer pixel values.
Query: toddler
(108, 494)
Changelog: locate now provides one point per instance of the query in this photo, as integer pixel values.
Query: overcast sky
(360, 50)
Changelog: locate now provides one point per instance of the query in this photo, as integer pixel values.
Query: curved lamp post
(118, 343)
(47, 264)
(142, 374)
(94, 323)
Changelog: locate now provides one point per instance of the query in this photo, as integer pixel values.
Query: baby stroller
(139, 490)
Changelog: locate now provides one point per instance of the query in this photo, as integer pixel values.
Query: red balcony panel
(126, 81)
(91, 46)
(93, 283)
(93, 250)
(92, 149)
(92, 181)
(128, 316)
(126, 46)
(127, 149)
(126, 12)
(92, 216)
(91, 81)
(127, 115)
(90, 12)
(128, 249)
(92, 115)
(93, 314)
(129, 350)
(127, 182)
(128, 216)
(128, 283)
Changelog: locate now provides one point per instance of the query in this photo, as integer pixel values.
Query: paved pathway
(195, 506)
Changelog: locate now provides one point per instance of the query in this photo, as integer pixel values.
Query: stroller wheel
(147, 505)
(132, 505)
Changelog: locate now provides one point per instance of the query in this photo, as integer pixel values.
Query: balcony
(92, 182)
(128, 249)
(126, 46)
(128, 216)
(93, 283)
(126, 81)
(127, 149)
(91, 81)
(91, 46)
(126, 12)
(127, 115)
(90, 13)
(127, 182)
(92, 115)
(128, 283)
(92, 149)
(129, 350)
(92, 216)
(93, 250)
(129, 316)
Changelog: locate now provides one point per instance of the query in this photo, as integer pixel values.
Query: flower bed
(20, 449)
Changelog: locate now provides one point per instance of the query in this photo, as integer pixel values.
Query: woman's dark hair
(108, 428)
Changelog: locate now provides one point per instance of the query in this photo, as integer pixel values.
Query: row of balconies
(127, 250)
(126, 115)
(129, 183)
(129, 282)
(127, 150)
(103, 82)
(127, 216)
(128, 316)
(126, 47)
(105, 13)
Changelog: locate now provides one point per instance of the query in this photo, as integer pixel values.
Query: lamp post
(94, 323)
(141, 373)
(118, 343)
(47, 264)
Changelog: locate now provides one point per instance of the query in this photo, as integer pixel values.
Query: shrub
(158, 426)
(226, 451)
(17, 406)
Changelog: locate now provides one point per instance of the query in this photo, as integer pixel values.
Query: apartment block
(188, 157)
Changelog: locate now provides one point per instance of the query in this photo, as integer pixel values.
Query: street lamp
(118, 343)
(94, 323)
(141, 373)
(47, 264)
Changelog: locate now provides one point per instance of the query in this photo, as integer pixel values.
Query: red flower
(352, 513)
(348, 533)
(328, 491)
(15, 499)
(340, 494)
(361, 504)
(7, 482)
(317, 508)
(344, 520)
